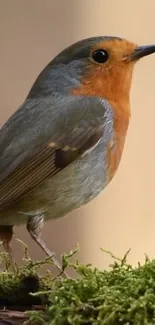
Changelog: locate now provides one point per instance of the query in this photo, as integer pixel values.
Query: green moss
(16, 288)
(122, 295)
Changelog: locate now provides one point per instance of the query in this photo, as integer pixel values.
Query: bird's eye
(100, 56)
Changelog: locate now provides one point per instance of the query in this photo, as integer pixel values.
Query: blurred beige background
(31, 34)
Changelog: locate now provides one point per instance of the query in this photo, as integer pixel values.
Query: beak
(141, 51)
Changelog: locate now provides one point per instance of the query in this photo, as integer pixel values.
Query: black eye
(100, 56)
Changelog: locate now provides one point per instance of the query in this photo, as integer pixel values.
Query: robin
(64, 144)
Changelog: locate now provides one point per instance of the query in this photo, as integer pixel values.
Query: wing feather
(21, 170)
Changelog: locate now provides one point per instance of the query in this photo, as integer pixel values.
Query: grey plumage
(53, 148)
(73, 126)
(59, 150)
(51, 113)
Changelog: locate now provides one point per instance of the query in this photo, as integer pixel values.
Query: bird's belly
(74, 186)
(77, 185)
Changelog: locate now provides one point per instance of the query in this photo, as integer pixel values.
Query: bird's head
(98, 66)
(104, 65)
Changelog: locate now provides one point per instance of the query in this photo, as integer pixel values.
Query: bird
(64, 144)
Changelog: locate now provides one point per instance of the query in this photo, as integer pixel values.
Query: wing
(43, 137)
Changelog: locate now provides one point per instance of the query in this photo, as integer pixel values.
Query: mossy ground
(122, 295)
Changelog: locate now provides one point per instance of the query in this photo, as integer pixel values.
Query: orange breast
(114, 153)
(110, 85)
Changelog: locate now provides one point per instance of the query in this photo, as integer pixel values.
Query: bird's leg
(6, 233)
(34, 227)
